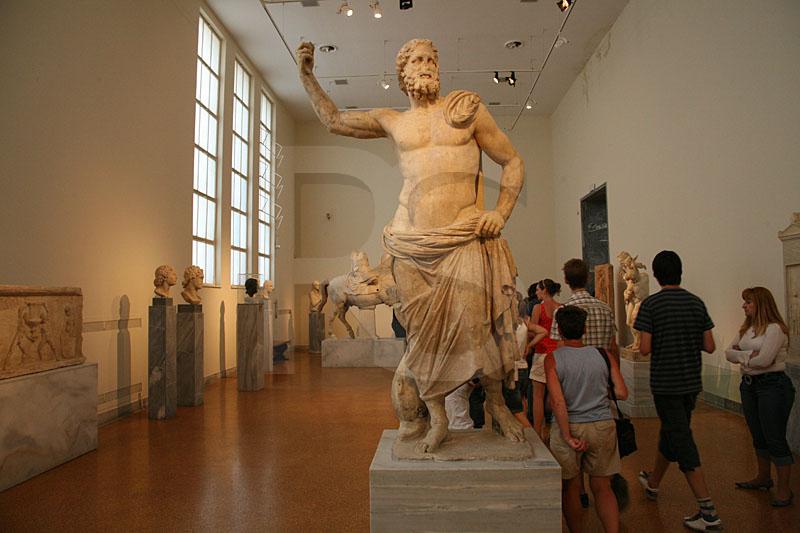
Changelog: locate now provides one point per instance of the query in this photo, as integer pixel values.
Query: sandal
(748, 485)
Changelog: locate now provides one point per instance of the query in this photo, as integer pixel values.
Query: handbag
(626, 435)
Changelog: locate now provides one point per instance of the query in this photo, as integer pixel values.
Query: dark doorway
(594, 231)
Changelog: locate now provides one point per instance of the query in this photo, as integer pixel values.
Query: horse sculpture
(362, 287)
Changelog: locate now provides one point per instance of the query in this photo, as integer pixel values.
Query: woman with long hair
(539, 324)
(760, 349)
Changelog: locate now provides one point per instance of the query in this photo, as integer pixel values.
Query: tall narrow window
(240, 174)
(204, 210)
(265, 188)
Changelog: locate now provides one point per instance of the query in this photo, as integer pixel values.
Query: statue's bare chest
(425, 129)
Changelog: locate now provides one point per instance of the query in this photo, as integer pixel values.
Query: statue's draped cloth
(457, 304)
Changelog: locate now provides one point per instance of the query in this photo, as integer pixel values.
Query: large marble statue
(192, 283)
(454, 275)
(165, 278)
(637, 287)
(362, 287)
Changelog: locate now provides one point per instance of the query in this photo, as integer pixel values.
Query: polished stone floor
(295, 457)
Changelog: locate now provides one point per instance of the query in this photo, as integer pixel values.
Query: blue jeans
(766, 401)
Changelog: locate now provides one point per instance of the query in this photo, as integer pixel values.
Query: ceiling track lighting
(384, 84)
(563, 5)
(511, 79)
(530, 103)
(406, 4)
(376, 9)
(345, 9)
(496, 78)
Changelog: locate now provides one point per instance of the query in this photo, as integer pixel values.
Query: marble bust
(251, 290)
(192, 283)
(315, 297)
(165, 278)
(266, 289)
(445, 251)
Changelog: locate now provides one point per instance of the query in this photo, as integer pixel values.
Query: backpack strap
(604, 354)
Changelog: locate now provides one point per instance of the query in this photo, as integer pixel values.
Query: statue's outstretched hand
(305, 57)
(490, 224)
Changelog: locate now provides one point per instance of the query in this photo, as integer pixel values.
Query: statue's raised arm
(360, 124)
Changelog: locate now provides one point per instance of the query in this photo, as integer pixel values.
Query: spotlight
(563, 5)
(512, 80)
(345, 8)
(561, 41)
(376, 9)
(385, 85)
(406, 4)
(529, 104)
(496, 77)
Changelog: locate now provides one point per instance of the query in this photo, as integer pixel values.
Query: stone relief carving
(604, 284)
(165, 277)
(454, 276)
(40, 329)
(192, 283)
(637, 287)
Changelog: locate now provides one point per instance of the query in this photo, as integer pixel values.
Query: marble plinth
(268, 335)
(190, 355)
(162, 383)
(46, 419)
(793, 428)
(316, 331)
(471, 495)
(637, 377)
(362, 353)
(366, 323)
(250, 346)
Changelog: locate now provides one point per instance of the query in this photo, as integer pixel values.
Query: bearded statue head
(418, 69)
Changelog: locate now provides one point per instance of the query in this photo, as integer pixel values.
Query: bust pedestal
(162, 389)
(635, 370)
(316, 331)
(190, 355)
(250, 326)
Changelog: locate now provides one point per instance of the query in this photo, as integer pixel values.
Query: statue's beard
(422, 88)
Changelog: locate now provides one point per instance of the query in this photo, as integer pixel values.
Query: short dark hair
(571, 321)
(667, 268)
(576, 273)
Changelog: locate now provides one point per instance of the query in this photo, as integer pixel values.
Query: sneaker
(701, 522)
(644, 481)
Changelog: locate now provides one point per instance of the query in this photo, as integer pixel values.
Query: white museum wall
(347, 189)
(688, 111)
(96, 151)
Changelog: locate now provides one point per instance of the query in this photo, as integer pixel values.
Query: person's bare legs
(571, 507)
(762, 477)
(697, 482)
(659, 469)
(784, 491)
(522, 419)
(605, 503)
(538, 407)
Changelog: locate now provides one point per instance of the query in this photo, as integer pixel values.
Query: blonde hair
(765, 311)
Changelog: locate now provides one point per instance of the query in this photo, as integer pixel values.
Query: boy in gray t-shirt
(585, 437)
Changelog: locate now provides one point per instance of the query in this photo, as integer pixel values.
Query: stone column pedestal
(635, 369)
(250, 328)
(162, 388)
(316, 331)
(793, 427)
(190, 355)
(268, 336)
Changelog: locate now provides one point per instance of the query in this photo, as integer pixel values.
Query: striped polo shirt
(676, 319)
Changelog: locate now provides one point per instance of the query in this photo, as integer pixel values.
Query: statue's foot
(432, 440)
(412, 429)
(511, 427)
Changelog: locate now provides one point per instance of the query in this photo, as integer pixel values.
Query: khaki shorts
(602, 457)
(537, 368)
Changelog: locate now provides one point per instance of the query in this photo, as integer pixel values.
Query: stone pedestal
(268, 335)
(190, 355)
(362, 353)
(162, 383)
(250, 326)
(316, 331)
(790, 238)
(46, 419)
(467, 495)
(636, 374)
(793, 427)
(366, 323)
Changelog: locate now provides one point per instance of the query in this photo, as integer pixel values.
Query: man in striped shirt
(675, 327)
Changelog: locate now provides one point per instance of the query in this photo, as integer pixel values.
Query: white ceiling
(469, 34)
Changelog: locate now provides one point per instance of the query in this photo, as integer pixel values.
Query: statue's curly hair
(404, 54)
(161, 274)
(191, 273)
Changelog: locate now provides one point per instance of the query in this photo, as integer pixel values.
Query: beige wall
(688, 110)
(358, 183)
(98, 120)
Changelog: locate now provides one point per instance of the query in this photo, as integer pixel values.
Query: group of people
(574, 359)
